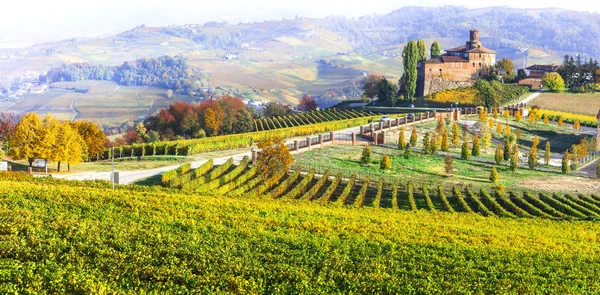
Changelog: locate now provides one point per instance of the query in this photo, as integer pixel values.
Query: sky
(24, 23)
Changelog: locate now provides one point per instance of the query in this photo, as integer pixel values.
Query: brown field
(580, 103)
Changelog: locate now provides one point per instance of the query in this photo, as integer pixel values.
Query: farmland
(107, 104)
(577, 103)
(171, 242)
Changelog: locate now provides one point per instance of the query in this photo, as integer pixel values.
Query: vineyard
(243, 180)
(189, 147)
(584, 120)
(67, 237)
(307, 118)
(469, 96)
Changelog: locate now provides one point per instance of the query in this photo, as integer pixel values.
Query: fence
(585, 160)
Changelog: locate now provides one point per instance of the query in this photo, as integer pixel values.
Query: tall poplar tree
(422, 50)
(436, 50)
(410, 60)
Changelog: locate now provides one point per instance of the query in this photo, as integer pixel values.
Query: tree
(507, 150)
(532, 159)
(387, 91)
(546, 119)
(465, 151)
(422, 50)
(67, 146)
(27, 140)
(565, 162)
(536, 142)
(455, 134)
(476, 147)
(499, 154)
(507, 130)
(401, 139)
(518, 115)
(426, 142)
(494, 175)
(8, 123)
(433, 144)
(486, 93)
(413, 137)
(210, 122)
(448, 164)
(486, 136)
(370, 86)
(514, 159)
(307, 103)
(547, 154)
(560, 121)
(553, 82)
(365, 158)
(410, 59)
(494, 114)
(436, 49)
(576, 125)
(243, 121)
(386, 163)
(93, 137)
(506, 68)
(518, 134)
(407, 151)
(274, 159)
(445, 144)
(274, 109)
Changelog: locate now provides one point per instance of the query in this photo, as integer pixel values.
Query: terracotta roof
(435, 60)
(543, 68)
(458, 49)
(481, 50)
(450, 58)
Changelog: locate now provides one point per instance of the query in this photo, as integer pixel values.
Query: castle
(458, 67)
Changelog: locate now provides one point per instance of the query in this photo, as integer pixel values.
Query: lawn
(418, 168)
(578, 103)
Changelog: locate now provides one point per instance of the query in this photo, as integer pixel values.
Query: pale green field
(578, 103)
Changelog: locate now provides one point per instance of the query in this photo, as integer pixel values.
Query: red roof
(458, 49)
(543, 68)
(450, 58)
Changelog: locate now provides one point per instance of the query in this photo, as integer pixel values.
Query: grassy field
(68, 239)
(107, 104)
(578, 103)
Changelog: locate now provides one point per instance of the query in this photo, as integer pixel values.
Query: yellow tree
(27, 140)
(210, 122)
(67, 145)
(93, 137)
(274, 158)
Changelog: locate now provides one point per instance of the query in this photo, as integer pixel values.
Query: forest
(165, 72)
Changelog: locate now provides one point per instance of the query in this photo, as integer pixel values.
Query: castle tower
(474, 39)
(598, 132)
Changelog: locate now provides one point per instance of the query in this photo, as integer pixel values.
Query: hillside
(71, 239)
(281, 60)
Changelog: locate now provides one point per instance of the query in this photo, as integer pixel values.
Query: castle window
(440, 72)
(479, 74)
(473, 64)
(480, 55)
(479, 64)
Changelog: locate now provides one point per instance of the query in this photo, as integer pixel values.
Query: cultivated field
(578, 103)
(117, 241)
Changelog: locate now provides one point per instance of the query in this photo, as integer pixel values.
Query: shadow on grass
(149, 181)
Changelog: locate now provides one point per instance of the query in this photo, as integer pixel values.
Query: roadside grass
(578, 103)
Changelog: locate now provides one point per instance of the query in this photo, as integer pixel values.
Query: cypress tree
(494, 175)
(532, 160)
(401, 139)
(455, 134)
(426, 142)
(506, 154)
(565, 163)
(410, 58)
(499, 155)
(436, 49)
(547, 155)
(413, 137)
(476, 148)
(422, 50)
(433, 144)
(514, 159)
(407, 151)
(445, 145)
(465, 151)
(366, 155)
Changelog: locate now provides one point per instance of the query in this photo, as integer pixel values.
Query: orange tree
(274, 159)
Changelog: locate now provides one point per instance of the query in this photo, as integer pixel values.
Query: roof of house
(480, 49)
(446, 58)
(543, 68)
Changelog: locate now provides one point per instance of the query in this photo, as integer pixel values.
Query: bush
(365, 158)
(494, 175)
(465, 151)
(386, 163)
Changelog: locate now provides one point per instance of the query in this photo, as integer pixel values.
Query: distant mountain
(555, 30)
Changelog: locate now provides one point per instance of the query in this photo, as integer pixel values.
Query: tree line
(61, 142)
(165, 72)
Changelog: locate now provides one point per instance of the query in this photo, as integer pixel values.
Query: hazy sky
(24, 22)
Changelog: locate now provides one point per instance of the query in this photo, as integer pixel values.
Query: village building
(535, 73)
(458, 67)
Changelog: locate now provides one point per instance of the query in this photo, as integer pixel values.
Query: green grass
(577, 103)
(418, 168)
(63, 239)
